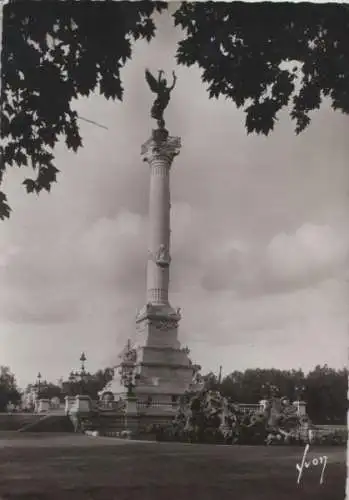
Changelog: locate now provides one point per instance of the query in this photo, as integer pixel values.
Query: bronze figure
(159, 87)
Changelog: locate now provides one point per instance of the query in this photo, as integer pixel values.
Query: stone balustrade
(110, 405)
(85, 404)
(250, 408)
(153, 406)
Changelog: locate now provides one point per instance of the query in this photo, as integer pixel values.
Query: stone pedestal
(164, 369)
(131, 415)
(44, 406)
(82, 404)
(69, 401)
(36, 406)
(131, 406)
(301, 407)
(80, 411)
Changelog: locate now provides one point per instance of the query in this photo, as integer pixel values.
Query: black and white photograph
(174, 250)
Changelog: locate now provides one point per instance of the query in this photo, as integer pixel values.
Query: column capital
(161, 146)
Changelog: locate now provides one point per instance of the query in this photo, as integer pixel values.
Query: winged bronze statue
(159, 87)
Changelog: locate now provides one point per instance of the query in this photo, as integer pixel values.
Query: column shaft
(159, 152)
(159, 230)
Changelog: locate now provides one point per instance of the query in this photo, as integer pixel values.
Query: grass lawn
(65, 467)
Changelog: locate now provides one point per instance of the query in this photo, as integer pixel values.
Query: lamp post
(299, 391)
(80, 377)
(38, 389)
(82, 360)
(300, 403)
(38, 384)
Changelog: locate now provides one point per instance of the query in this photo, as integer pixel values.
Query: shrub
(335, 437)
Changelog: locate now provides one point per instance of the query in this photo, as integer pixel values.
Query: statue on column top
(159, 87)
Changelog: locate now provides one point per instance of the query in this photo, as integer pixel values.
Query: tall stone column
(159, 152)
(162, 370)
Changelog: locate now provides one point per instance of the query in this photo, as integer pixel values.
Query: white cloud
(312, 251)
(292, 261)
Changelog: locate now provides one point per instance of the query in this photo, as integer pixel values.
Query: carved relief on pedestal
(165, 325)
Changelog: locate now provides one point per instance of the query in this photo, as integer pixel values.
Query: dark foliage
(324, 390)
(49, 391)
(8, 388)
(254, 384)
(326, 395)
(242, 49)
(332, 438)
(90, 385)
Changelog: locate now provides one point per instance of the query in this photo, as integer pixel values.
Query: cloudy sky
(260, 236)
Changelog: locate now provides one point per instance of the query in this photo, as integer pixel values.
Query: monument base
(163, 370)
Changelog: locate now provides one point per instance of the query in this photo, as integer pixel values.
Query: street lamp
(82, 376)
(38, 383)
(82, 361)
(299, 390)
(38, 387)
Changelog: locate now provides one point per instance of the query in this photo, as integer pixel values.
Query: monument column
(162, 370)
(159, 152)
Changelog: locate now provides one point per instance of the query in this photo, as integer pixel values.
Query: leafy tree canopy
(91, 385)
(8, 388)
(324, 389)
(54, 52)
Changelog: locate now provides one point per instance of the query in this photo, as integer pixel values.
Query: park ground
(64, 467)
